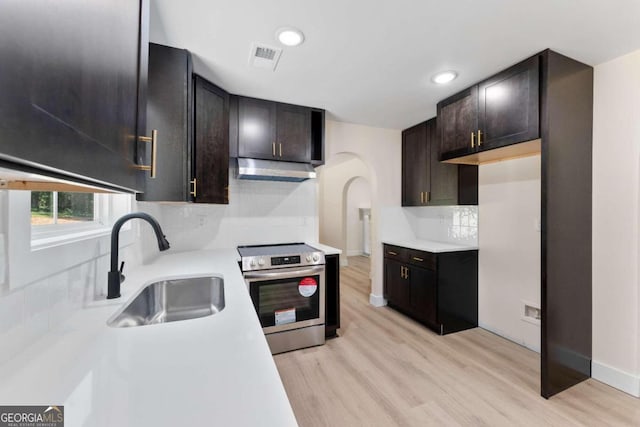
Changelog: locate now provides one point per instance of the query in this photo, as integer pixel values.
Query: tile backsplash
(456, 224)
(258, 212)
(28, 313)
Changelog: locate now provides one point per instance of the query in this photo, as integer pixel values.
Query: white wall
(358, 196)
(616, 213)
(509, 242)
(376, 152)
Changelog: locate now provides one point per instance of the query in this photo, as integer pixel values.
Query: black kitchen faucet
(115, 276)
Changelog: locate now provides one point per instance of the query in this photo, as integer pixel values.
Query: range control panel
(253, 263)
(285, 260)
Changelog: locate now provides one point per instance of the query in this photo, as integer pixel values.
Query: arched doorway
(335, 179)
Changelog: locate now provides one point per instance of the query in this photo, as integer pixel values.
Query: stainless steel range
(287, 287)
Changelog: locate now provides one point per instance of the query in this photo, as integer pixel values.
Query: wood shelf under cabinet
(510, 152)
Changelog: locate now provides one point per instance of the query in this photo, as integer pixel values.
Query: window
(35, 249)
(60, 217)
(52, 207)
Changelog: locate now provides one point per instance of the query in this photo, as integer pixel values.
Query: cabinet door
(257, 129)
(211, 143)
(443, 181)
(73, 85)
(415, 165)
(169, 108)
(457, 120)
(508, 105)
(396, 284)
(423, 294)
(293, 133)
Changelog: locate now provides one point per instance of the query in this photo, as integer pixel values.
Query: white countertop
(215, 370)
(430, 245)
(328, 250)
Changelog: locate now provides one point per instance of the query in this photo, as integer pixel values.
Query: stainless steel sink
(171, 301)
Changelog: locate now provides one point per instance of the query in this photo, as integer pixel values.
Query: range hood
(271, 170)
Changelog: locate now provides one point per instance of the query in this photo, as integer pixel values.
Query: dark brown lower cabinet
(332, 296)
(396, 285)
(438, 290)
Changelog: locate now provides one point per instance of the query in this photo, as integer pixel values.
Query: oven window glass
(280, 301)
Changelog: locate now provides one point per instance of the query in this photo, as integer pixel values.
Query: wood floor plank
(388, 370)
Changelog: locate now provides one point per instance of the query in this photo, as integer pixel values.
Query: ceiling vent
(263, 56)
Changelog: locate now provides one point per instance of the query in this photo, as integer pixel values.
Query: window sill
(45, 242)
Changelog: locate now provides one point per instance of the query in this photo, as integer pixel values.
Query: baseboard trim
(616, 378)
(377, 300)
(532, 347)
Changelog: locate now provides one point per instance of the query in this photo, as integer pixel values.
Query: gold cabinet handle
(422, 197)
(415, 258)
(153, 139)
(479, 137)
(194, 193)
(402, 272)
(406, 272)
(280, 144)
(273, 147)
(473, 140)
(392, 253)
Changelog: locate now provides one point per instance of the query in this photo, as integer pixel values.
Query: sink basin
(172, 301)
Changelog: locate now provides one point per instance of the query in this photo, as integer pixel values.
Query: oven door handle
(283, 273)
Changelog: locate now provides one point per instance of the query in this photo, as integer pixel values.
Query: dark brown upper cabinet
(458, 121)
(211, 143)
(276, 131)
(169, 100)
(74, 90)
(425, 180)
(508, 109)
(415, 165)
(293, 132)
(257, 129)
(191, 116)
(502, 110)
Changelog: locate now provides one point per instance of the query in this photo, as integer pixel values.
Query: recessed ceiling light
(444, 77)
(290, 36)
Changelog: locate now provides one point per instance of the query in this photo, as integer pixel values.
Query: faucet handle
(121, 275)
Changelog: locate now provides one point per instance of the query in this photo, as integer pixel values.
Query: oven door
(288, 298)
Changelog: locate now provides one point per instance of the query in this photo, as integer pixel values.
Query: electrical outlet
(531, 313)
(537, 224)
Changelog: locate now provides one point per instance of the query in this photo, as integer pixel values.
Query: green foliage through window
(58, 207)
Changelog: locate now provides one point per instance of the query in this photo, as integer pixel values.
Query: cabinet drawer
(422, 259)
(395, 252)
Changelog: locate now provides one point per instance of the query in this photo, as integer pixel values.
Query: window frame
(51, 231)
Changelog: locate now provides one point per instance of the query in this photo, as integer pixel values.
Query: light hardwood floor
(387, 370)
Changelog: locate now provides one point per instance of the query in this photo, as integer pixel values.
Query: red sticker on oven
(307, 286)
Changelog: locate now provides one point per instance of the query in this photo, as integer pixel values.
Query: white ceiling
(370, 61)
